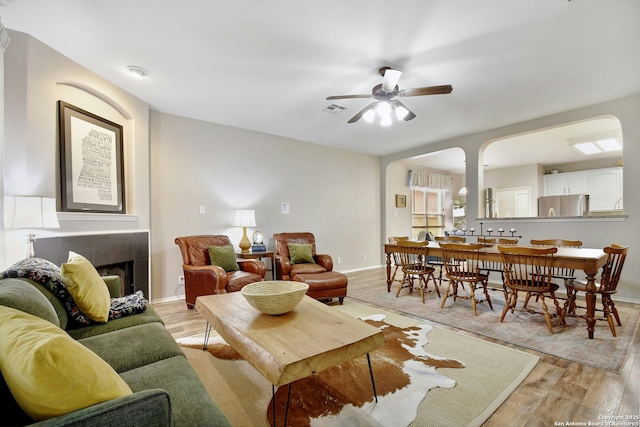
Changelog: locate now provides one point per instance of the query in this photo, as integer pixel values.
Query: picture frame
(401, 201)
(91, 162)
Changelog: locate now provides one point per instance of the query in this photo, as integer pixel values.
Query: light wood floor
(557, 390)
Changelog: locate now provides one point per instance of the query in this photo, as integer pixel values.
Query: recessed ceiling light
(137, 71)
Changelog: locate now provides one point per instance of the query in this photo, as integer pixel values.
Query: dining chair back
(396, 257)
(529, 269)
(607, 286)
(462, 265)
(567, 275)
(415, 266)
(437, 261)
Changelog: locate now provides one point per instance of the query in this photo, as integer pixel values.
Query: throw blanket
(48, 274)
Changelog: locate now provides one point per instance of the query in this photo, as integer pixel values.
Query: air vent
(334, 109)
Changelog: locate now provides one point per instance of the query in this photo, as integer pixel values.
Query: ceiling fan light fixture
(385, 120)
(369, 116)
(384, 109)
(401, 112)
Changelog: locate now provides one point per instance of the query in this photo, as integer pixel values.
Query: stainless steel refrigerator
(566, 205)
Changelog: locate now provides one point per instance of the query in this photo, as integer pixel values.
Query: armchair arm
(253, 266)
(324, 260)
(145, 408)
(283, 267)
(207, 276)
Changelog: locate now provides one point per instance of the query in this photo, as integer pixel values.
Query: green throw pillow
(23, 296)
(300, 253)
(224, 257)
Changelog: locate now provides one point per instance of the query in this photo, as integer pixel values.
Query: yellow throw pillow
(48, 372)
(87, 288)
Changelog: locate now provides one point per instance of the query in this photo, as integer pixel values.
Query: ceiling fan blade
(362, 112)
(430, 90)
(391, 78)
(348, 96)
(409, 116)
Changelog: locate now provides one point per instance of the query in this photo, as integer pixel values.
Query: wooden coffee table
(292, 346)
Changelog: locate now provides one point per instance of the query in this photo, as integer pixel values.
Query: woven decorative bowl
(274, 297)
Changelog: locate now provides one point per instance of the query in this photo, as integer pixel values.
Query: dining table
(588, 260)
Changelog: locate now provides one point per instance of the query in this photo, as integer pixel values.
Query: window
(427, 213)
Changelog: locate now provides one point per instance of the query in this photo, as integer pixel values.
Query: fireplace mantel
(103, 249)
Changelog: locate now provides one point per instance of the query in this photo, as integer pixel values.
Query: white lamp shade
(245, 218)
(30, 212)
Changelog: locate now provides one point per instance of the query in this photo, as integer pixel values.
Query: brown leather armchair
(202, 278)
(322, 280)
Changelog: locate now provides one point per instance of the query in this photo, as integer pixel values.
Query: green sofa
(166, 390)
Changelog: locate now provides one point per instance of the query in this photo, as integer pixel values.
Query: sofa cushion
(48, 372)
(224, 257)
(23, 296)
(191, 404)
(89, 291)
(300, 253)
(148, 316)
(130, 348)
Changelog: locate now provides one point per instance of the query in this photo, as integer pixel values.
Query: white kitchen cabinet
(566, 183)
(606, 189)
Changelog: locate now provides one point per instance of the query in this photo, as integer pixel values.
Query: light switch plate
(285, 208)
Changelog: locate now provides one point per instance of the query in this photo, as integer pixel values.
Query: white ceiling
(269, 65)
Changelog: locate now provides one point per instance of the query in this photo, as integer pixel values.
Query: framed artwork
(401, 201)
(91, 164)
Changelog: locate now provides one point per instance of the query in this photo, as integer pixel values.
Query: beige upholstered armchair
(203, 278)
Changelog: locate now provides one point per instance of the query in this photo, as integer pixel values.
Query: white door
(512, 202)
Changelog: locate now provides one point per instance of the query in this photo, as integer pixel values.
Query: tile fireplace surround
(127, 252)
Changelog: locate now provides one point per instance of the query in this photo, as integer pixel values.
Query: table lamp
(245, 218)
(30, 212)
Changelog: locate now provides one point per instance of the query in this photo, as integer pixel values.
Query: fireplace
(124, 270)
(122, 254)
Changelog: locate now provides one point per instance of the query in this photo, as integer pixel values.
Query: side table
(260, 255)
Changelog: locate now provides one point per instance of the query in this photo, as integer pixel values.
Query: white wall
(333, 193)
(35, 78)
(593, 232)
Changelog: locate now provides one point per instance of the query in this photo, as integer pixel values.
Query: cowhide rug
(403, 371)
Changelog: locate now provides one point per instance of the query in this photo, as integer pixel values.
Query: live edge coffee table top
(292, 346)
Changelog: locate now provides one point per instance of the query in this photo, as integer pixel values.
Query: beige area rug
(480, 377)
(521, 328)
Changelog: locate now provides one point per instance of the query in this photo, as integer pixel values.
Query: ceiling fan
(385, 102)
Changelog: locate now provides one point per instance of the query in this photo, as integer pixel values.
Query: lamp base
(244, 244)
(31, 252)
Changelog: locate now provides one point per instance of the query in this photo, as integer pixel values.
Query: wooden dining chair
(415, 266)
(567, 275)
(528, 269)
(437, 261)
(396, 257)
(462, 265)
(488, 267)
(607, 286)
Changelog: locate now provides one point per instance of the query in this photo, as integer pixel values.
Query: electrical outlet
(339, 260)
(180, 280)
(364, 257)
